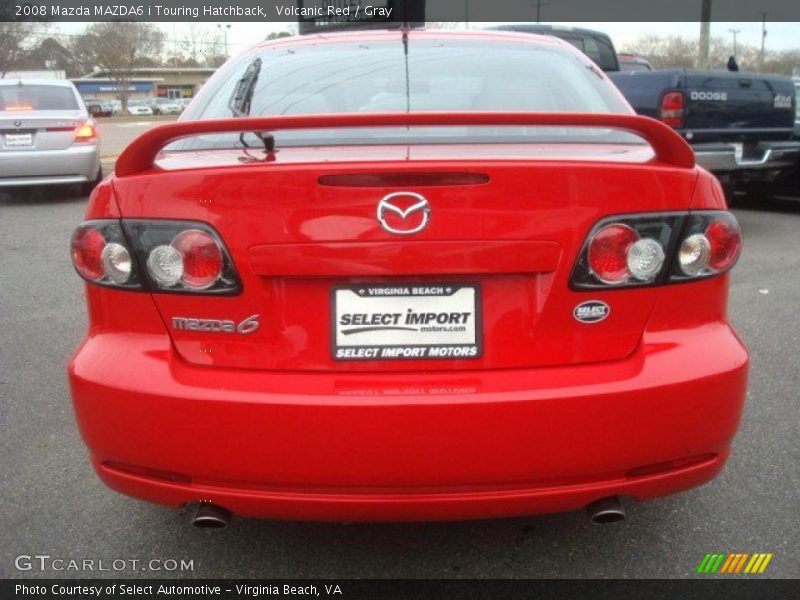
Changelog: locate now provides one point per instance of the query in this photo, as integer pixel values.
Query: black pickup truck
(741, 125)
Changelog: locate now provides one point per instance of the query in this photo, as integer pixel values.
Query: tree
(118, 48)
(50, 54)
(677, 52)
(277, 35)
(15, 39)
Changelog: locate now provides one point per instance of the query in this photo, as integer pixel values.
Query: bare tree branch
(119, 48)
(16, 38)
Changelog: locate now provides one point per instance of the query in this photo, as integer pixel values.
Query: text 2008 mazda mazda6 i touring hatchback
(407, 276)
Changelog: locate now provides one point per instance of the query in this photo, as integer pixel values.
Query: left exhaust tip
(211, 516)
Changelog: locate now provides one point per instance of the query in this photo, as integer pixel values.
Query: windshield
(37, 97)
(440, 75)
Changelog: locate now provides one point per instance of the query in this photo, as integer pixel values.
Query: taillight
(671, 110)
(711, 244)
(86, 132)
(173, 256)
(100, 255)
(647, 249)
(183, 256)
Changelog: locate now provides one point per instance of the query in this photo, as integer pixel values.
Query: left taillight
(86, 132)
(657, 248)
(101, 255)
(161, 256)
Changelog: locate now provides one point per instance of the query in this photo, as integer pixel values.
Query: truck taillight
(651, 249)
(671, 110)
(169, 256)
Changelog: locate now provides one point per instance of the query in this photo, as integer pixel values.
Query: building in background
(105, 89)
(164, 82)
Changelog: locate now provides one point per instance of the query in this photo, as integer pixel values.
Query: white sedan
(138, 108)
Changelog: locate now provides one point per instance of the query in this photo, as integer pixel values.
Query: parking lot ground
(52, 503)
(118, 132)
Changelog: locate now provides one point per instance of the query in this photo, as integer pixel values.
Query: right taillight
(169, 256)
(657, 248)
(710, 244)
(671, 109)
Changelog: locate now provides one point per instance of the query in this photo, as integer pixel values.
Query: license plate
(19, 140)
(420, 321)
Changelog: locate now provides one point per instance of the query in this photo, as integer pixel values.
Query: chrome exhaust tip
(606, 510)
(211, 516)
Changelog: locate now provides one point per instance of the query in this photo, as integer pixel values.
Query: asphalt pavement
(51, 502)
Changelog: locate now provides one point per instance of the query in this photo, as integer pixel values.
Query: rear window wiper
(241, 101)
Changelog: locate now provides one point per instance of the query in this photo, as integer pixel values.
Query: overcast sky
(780, 36)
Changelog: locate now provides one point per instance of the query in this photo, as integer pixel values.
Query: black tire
(88, 187)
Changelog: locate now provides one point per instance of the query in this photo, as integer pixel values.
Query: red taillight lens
(202, 258)
(87, 251)
(672, 104)
(725, 240)
(608, 253)
(86, 132)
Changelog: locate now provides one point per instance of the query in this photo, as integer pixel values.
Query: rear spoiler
(669, 147)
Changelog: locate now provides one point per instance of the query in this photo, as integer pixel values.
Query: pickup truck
(741, 125)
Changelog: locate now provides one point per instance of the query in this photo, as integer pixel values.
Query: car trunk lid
(504, 226)
(38, 130)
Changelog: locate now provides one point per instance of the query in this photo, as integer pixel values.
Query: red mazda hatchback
(407, 276)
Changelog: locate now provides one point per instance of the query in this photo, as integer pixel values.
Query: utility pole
(734, 32)
(539, 5)
(763, 39)
(225, 29)
(705, 34)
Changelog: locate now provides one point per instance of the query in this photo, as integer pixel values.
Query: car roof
(548, 29)
(372, 35)
(41, 81)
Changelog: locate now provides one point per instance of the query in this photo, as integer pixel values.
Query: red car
(399, 275)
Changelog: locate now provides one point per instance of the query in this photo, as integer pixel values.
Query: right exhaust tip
(606, 510)
(211, 516)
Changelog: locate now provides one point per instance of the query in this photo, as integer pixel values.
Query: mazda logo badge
(17, 123)
(406, 221)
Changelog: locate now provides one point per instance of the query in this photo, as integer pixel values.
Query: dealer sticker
(420, 321)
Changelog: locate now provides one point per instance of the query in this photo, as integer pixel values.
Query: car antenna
(405, 54)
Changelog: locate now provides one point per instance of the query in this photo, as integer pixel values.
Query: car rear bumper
(76, 164)
(402, 446)
(723, 158)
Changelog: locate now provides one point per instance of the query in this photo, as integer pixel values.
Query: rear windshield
(633, 67)
(37, 97)
(440, 75)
